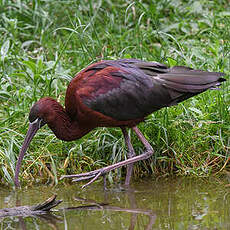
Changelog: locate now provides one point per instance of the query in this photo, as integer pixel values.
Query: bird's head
(38, 117)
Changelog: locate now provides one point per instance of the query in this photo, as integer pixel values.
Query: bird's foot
(101, 172)
(85, 176)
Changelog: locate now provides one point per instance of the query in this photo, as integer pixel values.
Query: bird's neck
(63, 126)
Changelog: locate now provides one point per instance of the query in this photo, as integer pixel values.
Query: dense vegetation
(44, 43)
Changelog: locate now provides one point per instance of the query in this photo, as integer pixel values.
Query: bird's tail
(183, 82)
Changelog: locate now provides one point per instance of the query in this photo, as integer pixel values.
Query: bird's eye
(40, 122)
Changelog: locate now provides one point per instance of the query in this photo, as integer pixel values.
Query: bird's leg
(143, 140)
(93, 175)
(104, 180)
(130, 154)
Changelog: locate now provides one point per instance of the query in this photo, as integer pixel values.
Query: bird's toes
(83, 178)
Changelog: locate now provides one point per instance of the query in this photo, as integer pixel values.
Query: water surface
(147, 204)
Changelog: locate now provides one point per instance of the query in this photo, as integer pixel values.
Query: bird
(115, 93)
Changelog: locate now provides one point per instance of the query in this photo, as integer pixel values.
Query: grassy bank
(45, 43)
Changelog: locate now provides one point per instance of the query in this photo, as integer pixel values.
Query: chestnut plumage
(116, 93)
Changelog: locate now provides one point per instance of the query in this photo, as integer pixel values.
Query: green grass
(43, 44)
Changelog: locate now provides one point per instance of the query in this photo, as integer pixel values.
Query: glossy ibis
(118, 93)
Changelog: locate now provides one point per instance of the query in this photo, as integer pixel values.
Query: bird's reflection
(54, 219)
(133, 209)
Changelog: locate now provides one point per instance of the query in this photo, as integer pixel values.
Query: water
(148, 204)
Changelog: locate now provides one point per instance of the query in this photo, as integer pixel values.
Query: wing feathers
(131, 89)
(185, 79)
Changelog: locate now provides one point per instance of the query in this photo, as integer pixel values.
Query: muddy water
(148, 204)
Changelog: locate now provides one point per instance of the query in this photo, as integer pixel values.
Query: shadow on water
(148, 204)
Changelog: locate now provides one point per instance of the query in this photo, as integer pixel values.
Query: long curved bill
(33, 128)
